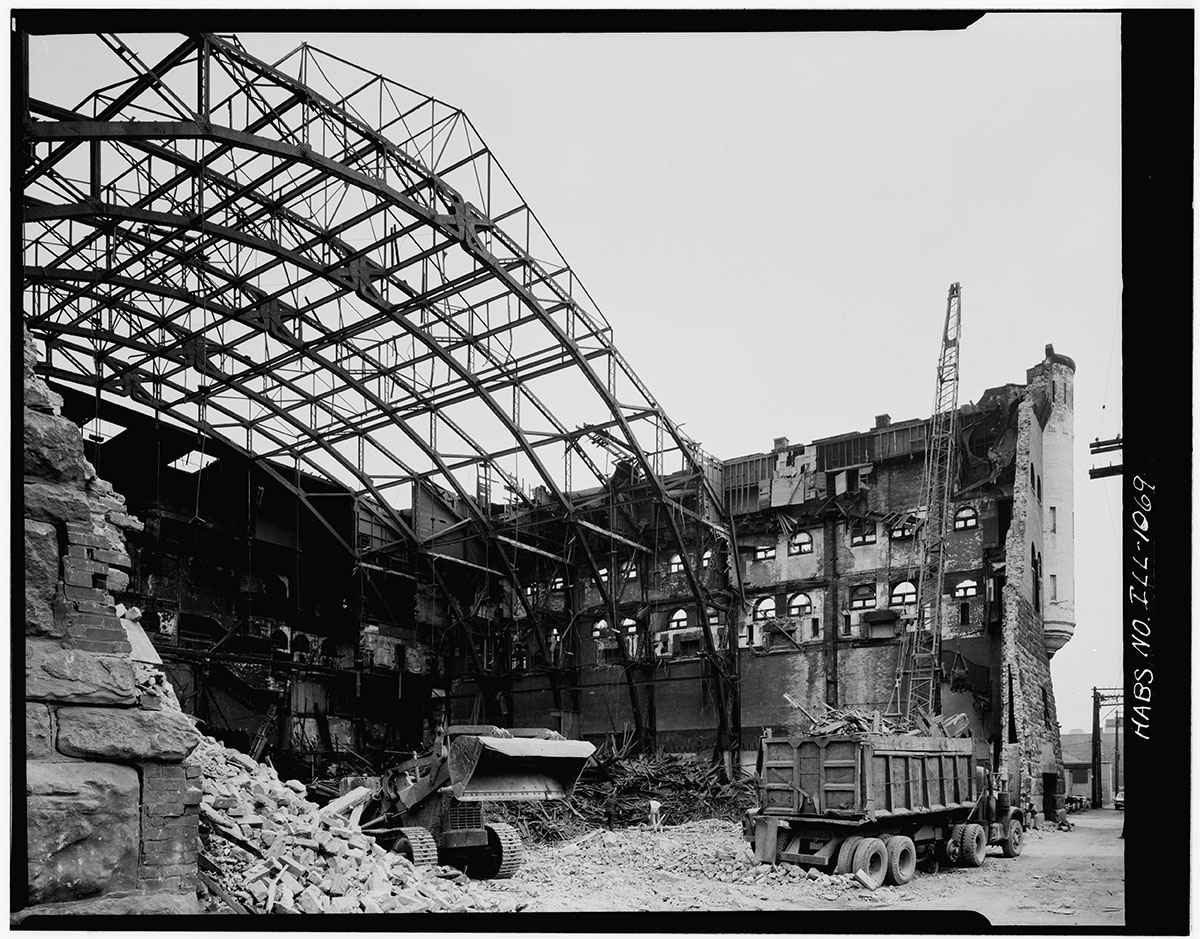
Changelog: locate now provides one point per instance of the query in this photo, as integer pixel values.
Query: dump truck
(429, 807)
(878, 803)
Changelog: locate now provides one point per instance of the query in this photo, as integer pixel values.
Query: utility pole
(1104, 446)
(1101, 697)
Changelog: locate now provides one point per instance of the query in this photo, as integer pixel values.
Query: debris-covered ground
(1067, 879)
(266, 848)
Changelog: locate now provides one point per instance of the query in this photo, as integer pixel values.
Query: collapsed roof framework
(323, 268)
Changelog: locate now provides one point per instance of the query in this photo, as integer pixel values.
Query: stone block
(82, 821)
(41, 580)
(122, 735)
(53, 449)
(146, 904)
(71, 676)
(118, 581)
(39, 740)
(37, 395)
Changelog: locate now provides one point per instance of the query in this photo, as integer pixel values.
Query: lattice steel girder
(264, 222)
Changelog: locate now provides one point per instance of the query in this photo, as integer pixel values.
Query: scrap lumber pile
(618, 787)
(850, 720)
(268, 849)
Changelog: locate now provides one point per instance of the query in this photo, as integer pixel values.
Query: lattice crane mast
(918, 671)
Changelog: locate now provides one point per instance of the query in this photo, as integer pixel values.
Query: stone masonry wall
(1030, 694)
(111, 807)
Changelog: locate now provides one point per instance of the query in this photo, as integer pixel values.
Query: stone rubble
(695, 865)
(305, 859)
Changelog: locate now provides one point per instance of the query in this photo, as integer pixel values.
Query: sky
(770, 222)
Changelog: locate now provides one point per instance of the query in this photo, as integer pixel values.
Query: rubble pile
(269, 849)
(616, 789)
(851, 720)
(702, 865)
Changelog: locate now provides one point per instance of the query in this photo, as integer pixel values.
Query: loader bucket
(513, 769)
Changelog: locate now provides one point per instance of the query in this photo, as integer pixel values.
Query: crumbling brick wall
(111, 807)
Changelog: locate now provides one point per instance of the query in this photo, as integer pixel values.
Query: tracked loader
(429, 808)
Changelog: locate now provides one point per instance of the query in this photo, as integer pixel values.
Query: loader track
(505, 840)
(418, 846)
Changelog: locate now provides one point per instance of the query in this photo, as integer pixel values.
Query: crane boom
(918, 669)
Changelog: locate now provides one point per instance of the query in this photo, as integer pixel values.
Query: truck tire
(1011, 842)
(418, 846)
(972, 845)
(846, 855)
(953, 845)
(871, 858)
(902, 860)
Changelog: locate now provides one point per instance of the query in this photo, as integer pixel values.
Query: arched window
(862, 531)
(862, 598)
(279, 640)
(903, 529)
(675, 565)
(966, 588)
(300, 643)
(629, 626)
(903, 594)
(556, 583)
(706, 559)
(714, 617)
(799, 605)
(764, 608)
(329, 649)
(800, 543)
(603, 572)
(629, 571)
(965, 518)
(764, 552)
(600, 629)
(678, 619)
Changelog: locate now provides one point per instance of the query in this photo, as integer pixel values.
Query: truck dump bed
(865, 776)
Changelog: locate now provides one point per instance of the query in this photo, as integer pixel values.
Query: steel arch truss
(332, 271)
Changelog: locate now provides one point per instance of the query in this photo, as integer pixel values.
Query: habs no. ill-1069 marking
(1139, 593)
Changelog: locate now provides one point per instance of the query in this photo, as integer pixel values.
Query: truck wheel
(972, 846)
(871, 857)
(1011, 842)
(846, 855)
(902, 860)
(501, 857)
(418, 846)
(953, 845)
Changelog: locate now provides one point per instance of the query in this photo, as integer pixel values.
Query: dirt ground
(1069, 879)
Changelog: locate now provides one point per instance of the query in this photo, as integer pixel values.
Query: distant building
(1077, 762)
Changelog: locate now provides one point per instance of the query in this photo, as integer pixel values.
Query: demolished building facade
(418, 485)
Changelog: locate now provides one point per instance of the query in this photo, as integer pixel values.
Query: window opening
(862, 598)
(799, 605)
(966, 518)
(904, 593)
(966, 588)
(862, 532)
(800, 543)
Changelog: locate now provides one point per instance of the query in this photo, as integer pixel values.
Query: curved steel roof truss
(348, 276)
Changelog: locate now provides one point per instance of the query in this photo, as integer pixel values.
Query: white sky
(770, 222)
